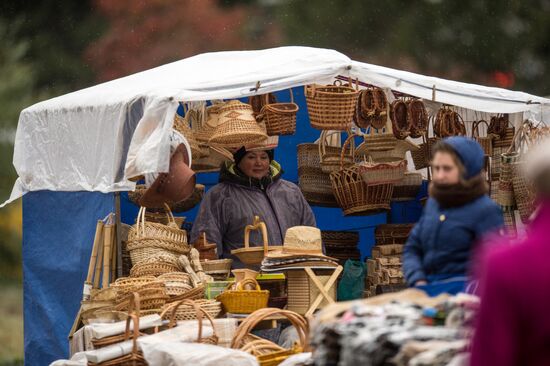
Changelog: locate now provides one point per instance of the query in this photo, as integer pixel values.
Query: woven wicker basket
(392, 233)
(423, 156)
(314, 183)
(408, 187)
(126, 285)
(524, 193)
(237, 126)
(177, 283)
(418, 118)
(331, 107)
(217, 266)
(181, 124)
(373, 107)
(354, 195)
(155, 265)
(149, 298)
(377, 173)
(506, 140)
(267, 353)
(401, 125)
(485, 142)
(505, 197)
(279, 118)
(241, 301)
(146, 239)
(254, 255)
(330, 159)
(195, 294)
(196, 311)
(184, 310)
(448, 123)
(499, 126)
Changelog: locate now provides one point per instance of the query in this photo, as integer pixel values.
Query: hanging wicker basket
(485, 142)
(279, 118)
(401, 124)
(331, 107)
(423, 155)
(330, 159)
(417, 117)
(408, 187)
(377, 173)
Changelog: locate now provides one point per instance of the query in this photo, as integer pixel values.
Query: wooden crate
(302, 292)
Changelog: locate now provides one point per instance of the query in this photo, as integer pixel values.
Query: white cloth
(102, 330)
(195, 354)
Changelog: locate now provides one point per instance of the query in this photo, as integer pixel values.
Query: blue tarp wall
(58, 232)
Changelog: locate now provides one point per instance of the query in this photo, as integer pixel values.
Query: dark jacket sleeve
(211, 218)
(490, 222)
(412, 256)
(308, 218)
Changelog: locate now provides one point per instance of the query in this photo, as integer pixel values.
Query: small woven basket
(182, 309)
(242, 301)
(313, 182)
(485, 142)
(377, 173)
(268, 353)
(217, 266)
(279, 118)
(149, 298)
(177, 283)
(254, 255)
(408, 187)
(331, 107)
(155, 265)
(330, 159)
(126, 285)
(423, 155)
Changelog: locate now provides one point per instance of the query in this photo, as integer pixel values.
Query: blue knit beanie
(469, 152)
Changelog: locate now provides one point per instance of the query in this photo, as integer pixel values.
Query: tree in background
(143, 35)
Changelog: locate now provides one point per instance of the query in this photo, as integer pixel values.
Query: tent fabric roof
(96, 138)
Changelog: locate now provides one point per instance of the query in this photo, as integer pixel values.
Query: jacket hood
(230, 173)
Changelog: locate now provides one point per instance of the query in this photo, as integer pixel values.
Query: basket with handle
(313, 182)
(176, 283)
(279, 118)
(198, 313)
(417, 117)
(146, 239)
(423, 155)
(149, 299)
(448, 123)
(135, 357)
(331, 107)
(401, 124)
(354, 195)
(268, 353)
(126, 285)
(485, 142)
(388, 172)
(184, 311)
(241, 301)
(377, 140)
(330, 160)
(196, 293)
(254, 255)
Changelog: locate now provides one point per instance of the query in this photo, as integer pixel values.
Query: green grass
(11, 324)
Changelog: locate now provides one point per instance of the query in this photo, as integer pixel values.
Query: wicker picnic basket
(155, 265)
(418, 118)
(331, 107)
(182, 206)
(330, 159)
(241, 301)
(147, 239)
(135, 357)
(401, 124)
(279, 118)
(486, 142)
(190, 310)
(313, 182)
(268, 353)
(237, 126)
(254, 255)
(377, 173)
(408, 187)
(186, 309)
(354, 195)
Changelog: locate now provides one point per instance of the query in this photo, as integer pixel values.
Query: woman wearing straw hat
(250, 186)
(458, 214)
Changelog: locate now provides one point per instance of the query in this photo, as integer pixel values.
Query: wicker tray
(254, 255)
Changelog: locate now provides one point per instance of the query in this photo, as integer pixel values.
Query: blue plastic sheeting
(327, 218)
(58, 233)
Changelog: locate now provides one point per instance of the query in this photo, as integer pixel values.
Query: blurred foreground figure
(514, 320)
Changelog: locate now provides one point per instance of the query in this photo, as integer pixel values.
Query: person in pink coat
(513, 325)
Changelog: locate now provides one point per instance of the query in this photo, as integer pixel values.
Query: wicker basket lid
(237, 126)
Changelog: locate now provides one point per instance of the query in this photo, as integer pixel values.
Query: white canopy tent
(95, 139)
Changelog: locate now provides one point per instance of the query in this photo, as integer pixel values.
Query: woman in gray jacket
(250, 186)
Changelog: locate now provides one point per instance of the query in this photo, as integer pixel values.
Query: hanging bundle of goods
(331, 107)
(448, 123)
(372, 108)
(237, 126)
(353, 194)
(401, 124)
(279, 118)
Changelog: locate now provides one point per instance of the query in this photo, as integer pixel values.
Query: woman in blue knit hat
(458, 214)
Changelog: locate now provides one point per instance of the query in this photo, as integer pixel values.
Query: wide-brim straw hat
(301, 241)
(237, 126)
(176, 185)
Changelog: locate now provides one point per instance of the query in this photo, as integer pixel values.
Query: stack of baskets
(155, 265)
(152, 296)
(354, 195)
(176, 283)
(341, 245)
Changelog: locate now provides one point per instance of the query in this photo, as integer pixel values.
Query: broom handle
(108, 234)
(93, 259)
(113, 253)
(99, 258)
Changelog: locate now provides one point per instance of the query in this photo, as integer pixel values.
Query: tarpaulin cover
(80, 141)
(58, 232)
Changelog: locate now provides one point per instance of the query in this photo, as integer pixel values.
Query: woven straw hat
(237, 126)
(301, 241)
